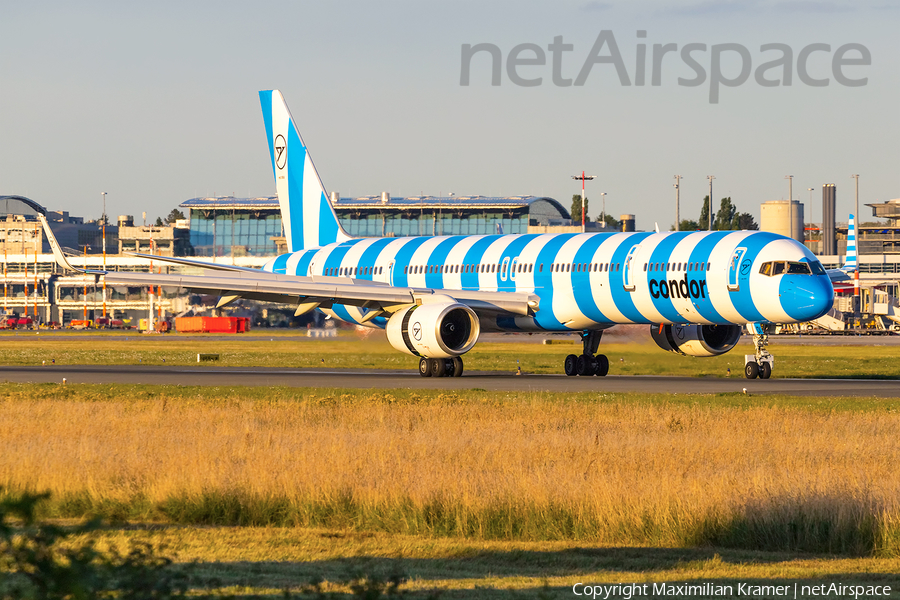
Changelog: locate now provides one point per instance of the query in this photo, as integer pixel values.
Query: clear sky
(156, 102)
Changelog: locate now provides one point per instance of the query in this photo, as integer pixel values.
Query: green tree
(174, 216)
(725, 215)
(744, 221)
(611, 222)
(703, 221)
(159, 222)
(576, 208)
(687, 225)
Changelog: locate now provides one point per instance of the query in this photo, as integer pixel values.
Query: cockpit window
(791, 268)
(817, 268)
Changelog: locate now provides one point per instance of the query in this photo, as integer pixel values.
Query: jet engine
(696, 340)
(434, 330)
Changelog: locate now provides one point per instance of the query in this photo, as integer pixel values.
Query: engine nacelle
(696, 340)
(434, 330)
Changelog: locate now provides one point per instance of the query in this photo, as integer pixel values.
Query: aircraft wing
(307, 292)
(187, 262)
(312, 292)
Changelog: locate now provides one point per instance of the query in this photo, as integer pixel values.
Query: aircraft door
(737, 268)
(630, 267)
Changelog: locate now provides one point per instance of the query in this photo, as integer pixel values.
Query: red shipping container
(212, 324)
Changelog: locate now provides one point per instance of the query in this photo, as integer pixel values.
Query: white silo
(775, 217)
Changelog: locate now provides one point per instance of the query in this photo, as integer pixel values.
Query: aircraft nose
(806, 298)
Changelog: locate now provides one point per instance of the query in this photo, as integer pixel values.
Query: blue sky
(156, 103)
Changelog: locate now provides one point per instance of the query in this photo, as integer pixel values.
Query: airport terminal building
(251, 227)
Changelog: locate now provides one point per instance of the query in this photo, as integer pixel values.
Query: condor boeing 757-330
(434, 295)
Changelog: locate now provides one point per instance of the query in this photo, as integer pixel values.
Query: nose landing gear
(587, 364)
(759, 364)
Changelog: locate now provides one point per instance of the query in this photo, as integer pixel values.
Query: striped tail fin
(850, 260)
(308, 218)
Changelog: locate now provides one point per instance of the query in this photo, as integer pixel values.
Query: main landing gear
(759, 364)
(441, 367)
(587, 364)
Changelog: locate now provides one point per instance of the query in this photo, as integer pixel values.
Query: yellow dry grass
(535, 466)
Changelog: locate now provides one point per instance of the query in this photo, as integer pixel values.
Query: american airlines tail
(308, 218)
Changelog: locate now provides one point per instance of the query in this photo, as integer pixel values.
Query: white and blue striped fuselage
(592, 280)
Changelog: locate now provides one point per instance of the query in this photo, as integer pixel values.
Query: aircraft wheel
(584, 365)
(765, 370)
(569, 365)
(437, 367)
(602, 366)
(424, 367)
(751, 370)
(457, 366)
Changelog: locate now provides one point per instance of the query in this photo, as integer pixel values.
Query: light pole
(104, 253)
(790, 179)
(583, 178)
(603, 214)
(677, 203)
(710, 177)
(811, 224)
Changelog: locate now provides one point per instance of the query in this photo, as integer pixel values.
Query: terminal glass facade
(226, 226)
(393, 224)
(216, 233)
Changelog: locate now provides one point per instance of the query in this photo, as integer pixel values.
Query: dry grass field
(252, 562)
(778, 474)
(631, 354)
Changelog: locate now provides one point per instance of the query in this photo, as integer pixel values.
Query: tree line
(727, 218)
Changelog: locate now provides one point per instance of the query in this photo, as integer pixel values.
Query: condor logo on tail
(678, 288)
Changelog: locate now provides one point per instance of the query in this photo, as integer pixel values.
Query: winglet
(61, 259)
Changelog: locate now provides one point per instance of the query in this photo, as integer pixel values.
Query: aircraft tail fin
(307, 216)
(850, 263)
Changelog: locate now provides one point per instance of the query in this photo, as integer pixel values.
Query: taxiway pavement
(386, 379)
